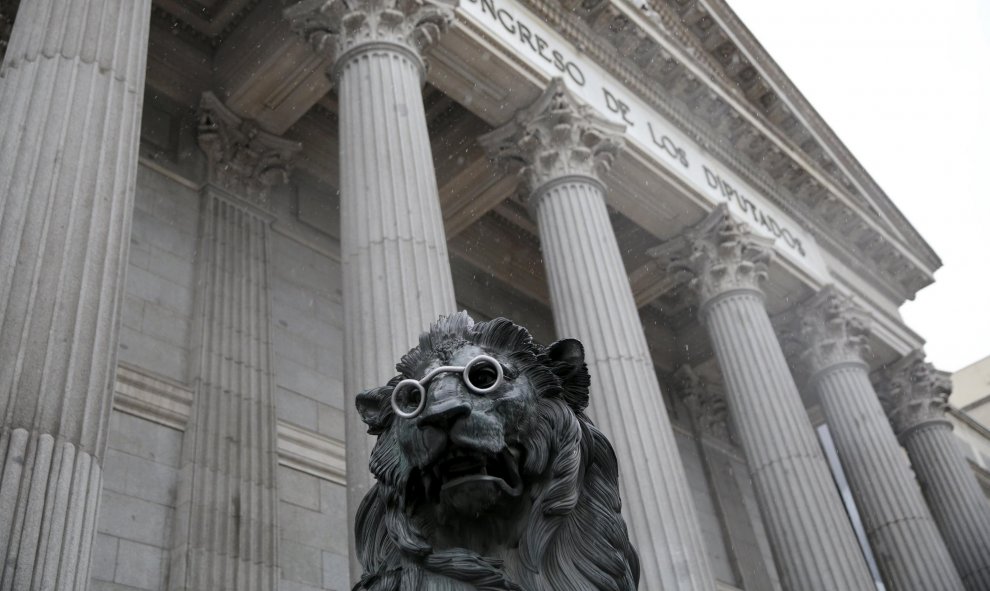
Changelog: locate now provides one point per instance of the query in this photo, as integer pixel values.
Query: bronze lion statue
(489, 474)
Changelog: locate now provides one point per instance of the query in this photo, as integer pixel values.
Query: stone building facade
(220, 220)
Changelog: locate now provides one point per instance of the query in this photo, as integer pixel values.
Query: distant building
(971, 391)
(970, 413)
(220, 221)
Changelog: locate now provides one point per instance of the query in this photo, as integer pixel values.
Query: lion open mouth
(461, 471)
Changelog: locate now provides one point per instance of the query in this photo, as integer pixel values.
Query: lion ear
(375, 408)
(567, 363)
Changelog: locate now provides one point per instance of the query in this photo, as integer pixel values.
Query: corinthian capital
(336, 27)
(556, 137)
(826, 330)
(913, 392)
(706, 405)
(242, 158)
(716, 256)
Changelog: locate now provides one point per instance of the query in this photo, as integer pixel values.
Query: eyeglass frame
(463, 369)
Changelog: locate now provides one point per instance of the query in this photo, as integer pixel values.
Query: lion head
(489, 474)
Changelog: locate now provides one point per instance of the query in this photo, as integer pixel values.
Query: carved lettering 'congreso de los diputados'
(224, 223)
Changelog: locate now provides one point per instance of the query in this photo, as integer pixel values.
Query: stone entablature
(646, 57)
(745, 140)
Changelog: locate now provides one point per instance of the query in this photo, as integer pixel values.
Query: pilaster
(396, 271)
(71, 89)
(226, 532)
(563, 148)
(807, 526)
(831, 334)
(915, 397)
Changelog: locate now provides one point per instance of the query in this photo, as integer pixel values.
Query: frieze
(646, 128)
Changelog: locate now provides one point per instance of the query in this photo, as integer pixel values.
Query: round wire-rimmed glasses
(479, 362)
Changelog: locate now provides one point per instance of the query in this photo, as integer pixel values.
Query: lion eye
(483, 374)
(483, 377)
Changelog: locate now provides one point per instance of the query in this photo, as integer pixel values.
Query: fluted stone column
(808, 528)
(831, 336)
(565, 147)
(396, 272)
(71, 89)
(226, 532)
(915, 398)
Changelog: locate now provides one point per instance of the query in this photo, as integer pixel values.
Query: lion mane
(572, 536)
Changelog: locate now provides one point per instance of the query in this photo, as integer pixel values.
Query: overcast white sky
(906, 85)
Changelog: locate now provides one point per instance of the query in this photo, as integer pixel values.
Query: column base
(49, 491)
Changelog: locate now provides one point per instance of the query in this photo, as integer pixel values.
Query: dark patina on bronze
(489, 474)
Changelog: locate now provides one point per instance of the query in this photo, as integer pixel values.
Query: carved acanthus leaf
(334, 27)
(826, 330)
(707, 406)
(555, 137)
(913, 392)
(717, 255)
(241, 157)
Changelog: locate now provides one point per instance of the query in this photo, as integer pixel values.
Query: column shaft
(908, 547)
(226, 532)
(809, 531)
(71, 90)
(592, 302)
(954, 496)
(396, 272)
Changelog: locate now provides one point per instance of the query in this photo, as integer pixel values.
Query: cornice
(718, 33)
(653, 65)
(817, 124)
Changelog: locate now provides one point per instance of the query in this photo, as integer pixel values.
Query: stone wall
(156, 348)
(155, 332)
(137, 508)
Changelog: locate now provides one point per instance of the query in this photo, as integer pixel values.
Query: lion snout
(442, 414)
